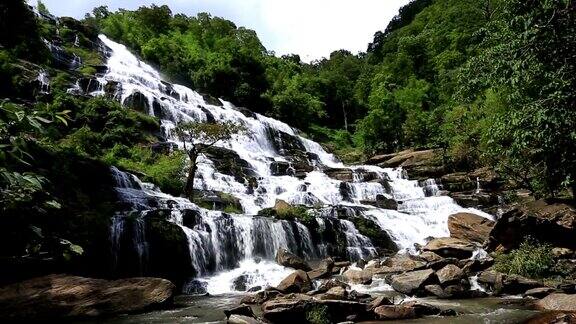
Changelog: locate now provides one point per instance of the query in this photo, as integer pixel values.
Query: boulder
(243, 309)
(288, 259)
(241, 319)
(458, 181)
(323, 270)
(260, 297)
(379, 301)
(296, 282)
(451, 247)
(399, 263)
(240, 282)
(195, 287)
(394, 312)
(539, 292)
(558, 302)
(449, 274)
(411, 283)
(429, 256)
(551, 222)
(437, 291)
(553, 317)
(331, 283)
(334, 293)
(507, 284)
(358, 276)
(470, 227)
(287, 309)
(63, 296)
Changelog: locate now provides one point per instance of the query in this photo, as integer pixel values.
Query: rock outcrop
(451, 247)
(554, 223)
(558, 302)
(63, 296)
(288, 259)
(411, 283)
(470, 227)
(297, 282)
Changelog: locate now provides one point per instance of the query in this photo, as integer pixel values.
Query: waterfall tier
(277, 163)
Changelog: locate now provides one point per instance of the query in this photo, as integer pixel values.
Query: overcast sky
(311, 28)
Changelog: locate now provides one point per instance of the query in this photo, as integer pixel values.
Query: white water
(220, 242)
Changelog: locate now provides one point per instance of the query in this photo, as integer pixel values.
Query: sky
(310, 28)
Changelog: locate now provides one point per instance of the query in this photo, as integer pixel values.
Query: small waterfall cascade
(44, 81)
(277, 163)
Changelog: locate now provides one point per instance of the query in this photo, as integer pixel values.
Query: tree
(198, 138)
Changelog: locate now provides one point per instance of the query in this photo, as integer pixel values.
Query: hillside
(179, 156)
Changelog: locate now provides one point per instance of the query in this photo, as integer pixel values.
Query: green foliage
(164, 170)
(19, 32)
(318, 314)
(532, 259)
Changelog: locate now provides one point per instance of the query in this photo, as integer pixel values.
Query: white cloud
(311, 28)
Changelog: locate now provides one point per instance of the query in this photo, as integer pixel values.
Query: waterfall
(42, 78)
(279, 164)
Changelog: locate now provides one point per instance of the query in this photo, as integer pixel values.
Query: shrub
(166, 171)
(531, 259)
(318, 314)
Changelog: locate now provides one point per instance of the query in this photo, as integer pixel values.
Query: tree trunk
(189, 188)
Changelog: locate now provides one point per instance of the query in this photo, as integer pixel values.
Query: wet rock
(286, 309)
(358, 276)
(195, 287)
(138, 102)
(342, 174)
(399, 263)
(63, 296)
(212, 100)
(323, 270)
(507, 284)
(296, 282)
(191, 217)
(475, 199)
(334, 293)
(515, 284)
(243, 309)
(88, 84)
(437, 265)
(411, 283)
(451, 247)
(429, 256)
(539, 292)
(437, 291)
(281, 168)
(558, 302)
(254, 289)
(241, 319)
(228, 162)
(260, 297)
(470, 227)
(379, 301)
(240, 282)
(394, 312)
(476, 265)
(553, 317)
(449, 274)
(554, 223)
(288, 259)
(331, 283)
(422, 165)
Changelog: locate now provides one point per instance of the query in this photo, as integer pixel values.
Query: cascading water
(285, 166)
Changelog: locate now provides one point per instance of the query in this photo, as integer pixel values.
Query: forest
(491, 82)
(455, 126)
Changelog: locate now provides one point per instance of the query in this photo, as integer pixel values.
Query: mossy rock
(379, 237)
